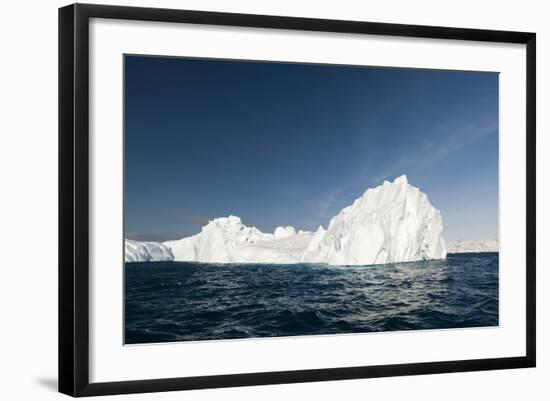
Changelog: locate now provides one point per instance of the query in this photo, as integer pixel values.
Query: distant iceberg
(472, 246)
(393, 222)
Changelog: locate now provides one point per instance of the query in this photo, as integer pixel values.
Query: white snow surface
(135, 251)
(228, 240)
(284, 232)
(472, 246)
(393, 222)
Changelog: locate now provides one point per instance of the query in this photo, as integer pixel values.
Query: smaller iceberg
(284, 232)
(135, 251)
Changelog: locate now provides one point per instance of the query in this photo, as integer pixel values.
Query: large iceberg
(135, 251)
(393, 222)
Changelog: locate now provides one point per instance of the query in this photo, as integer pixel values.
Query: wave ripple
(180, 301)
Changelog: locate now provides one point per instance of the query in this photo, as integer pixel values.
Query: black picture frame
(74, 199)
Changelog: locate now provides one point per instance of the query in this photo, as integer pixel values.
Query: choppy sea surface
(182, 301)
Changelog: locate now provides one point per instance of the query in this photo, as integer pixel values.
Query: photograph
(278, 199)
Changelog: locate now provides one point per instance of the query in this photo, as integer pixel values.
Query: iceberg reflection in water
(182, 301)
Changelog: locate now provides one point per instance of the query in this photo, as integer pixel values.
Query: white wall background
(28, 200)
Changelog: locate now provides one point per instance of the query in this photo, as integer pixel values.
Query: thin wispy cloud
(324, 205)
(446, 139)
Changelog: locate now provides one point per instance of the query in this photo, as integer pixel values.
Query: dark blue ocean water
(180, 301)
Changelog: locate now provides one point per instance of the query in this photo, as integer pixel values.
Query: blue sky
(292, 144)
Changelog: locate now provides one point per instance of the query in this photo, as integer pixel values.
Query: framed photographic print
(249, 199)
